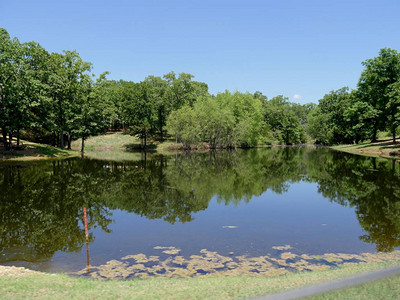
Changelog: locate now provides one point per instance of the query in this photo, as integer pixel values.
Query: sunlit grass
(35, 151)
(119, 146)
(382, 148)
(388, 288)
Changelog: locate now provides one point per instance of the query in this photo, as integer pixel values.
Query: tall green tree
(374, 85)
(11, 73)
(282, 119)
(393, 107)
(138, 110)
(66, 76)
(182, 90)
(88, 114)
(157, 94)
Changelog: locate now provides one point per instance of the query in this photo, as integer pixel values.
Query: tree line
(345, 116)
(54, 98)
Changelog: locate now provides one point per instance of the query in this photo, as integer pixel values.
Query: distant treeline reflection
(41, 204)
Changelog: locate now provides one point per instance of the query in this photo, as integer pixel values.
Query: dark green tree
(374, 88)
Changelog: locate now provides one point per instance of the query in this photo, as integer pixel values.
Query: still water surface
(245, 203)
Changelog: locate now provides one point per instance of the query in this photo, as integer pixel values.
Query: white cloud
(296, 97)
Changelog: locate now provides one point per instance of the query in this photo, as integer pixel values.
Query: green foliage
(375, 85)
(287, 120)
(318, 126)
(327, 123)
(53, 98)
(138, 110)
(393, 107)
(182, 123)
(225, 121)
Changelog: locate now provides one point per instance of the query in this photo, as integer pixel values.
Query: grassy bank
(118, 146)
(382, 148)
(14, 285)
(112, 146)
(33, 151)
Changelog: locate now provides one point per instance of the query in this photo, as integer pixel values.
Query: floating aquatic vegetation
(168, 250)
(286, 247)
(288, 255)
(210, 263)
(141, 258)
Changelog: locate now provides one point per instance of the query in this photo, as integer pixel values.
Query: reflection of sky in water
(301, 218)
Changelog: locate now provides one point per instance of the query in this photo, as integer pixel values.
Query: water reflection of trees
(370, 185)
(41, 209)
(41, 204)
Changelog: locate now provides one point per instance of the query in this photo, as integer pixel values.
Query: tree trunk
(5, 143)
(10, 136)
(83, 144)
(53, 140)
(69, 140)
(18, 138)
(373, 140)
(160, 123)
(62, 139)
(394, 133)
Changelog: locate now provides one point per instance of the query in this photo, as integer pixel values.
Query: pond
(247, 212)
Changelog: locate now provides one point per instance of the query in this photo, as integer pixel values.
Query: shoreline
(24, 283)
(382, 148)
(124, 147)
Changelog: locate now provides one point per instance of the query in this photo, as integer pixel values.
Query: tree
(332, 121)
(156, 94)
(22, 68)
(11, 96)
(216, 122)
(183, 91)
(374, 87)
(357, 118)
(138, 110)
(183, 124)
(393, 107)
(280, 115)
(65, 79)
(88, 114)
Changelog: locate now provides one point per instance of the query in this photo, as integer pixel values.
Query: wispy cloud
(296, 97)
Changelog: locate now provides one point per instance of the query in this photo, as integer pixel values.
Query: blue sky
(304, 48)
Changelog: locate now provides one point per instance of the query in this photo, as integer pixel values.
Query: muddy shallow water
(252, 212)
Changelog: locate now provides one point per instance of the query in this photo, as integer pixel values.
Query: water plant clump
(212, 264)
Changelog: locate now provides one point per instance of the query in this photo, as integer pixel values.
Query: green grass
(106, 142)
(388, 288)
(381, 148)
(35, 151)
(56, 286)
(112, 146)
(118, 146)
